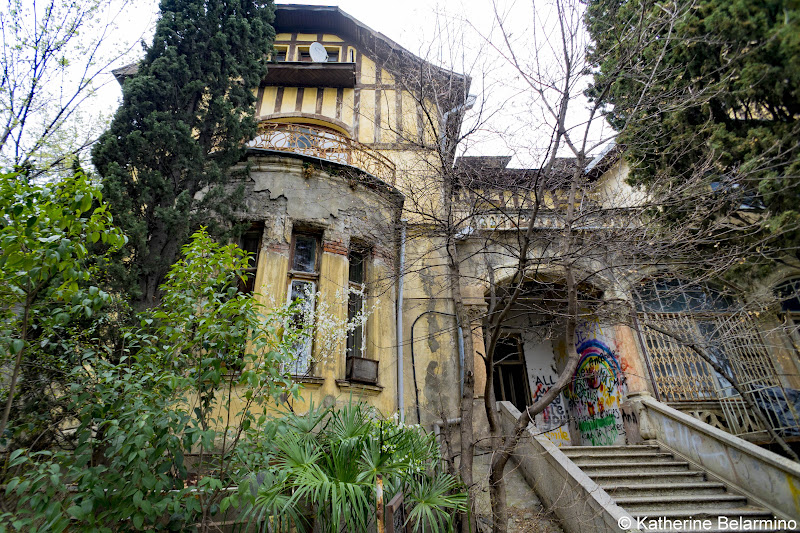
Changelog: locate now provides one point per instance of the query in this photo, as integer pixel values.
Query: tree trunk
(17, 364)
(497, 488)
(467, 432)
(161, 252)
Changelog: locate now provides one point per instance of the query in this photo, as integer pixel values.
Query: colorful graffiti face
(594, 393)
(598, 371)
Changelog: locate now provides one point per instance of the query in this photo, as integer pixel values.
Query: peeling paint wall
(382, 114)
(286, 193)
(431, 369)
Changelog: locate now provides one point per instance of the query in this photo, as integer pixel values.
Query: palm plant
(319, 472)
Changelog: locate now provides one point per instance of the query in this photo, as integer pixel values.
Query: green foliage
(47, 281)
(322, 468)
(137, 417)
(708, 92)
(127, 470)
(43, 235)
(185, 118)
(211, 332)
(163, 421)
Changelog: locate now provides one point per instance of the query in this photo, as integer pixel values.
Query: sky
(410, 23)
(509, 118)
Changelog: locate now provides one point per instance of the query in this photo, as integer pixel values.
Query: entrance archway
(531, 351)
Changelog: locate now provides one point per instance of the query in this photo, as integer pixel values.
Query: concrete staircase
(649, 481)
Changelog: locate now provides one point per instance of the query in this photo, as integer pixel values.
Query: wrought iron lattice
(734, 342)
(679, 373)
(324, 144)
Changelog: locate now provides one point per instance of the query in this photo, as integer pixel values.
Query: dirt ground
(526, 514)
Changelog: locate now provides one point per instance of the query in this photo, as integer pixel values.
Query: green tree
(711, 97)
(185, 117)
(55, 54)
(47, 277)
(170, 392)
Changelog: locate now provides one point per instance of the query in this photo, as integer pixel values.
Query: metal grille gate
(734, 343)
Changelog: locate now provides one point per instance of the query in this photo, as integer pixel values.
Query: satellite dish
(318, 53)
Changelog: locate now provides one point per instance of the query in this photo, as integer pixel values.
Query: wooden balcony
(323, 144)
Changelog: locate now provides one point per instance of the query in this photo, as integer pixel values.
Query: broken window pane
(302, 293)
(305, 253)
(355, 336)
(356, 267)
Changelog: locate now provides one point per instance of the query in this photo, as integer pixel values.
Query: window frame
(292, 248)
(790, 311)
(280, 50)
(695, 307)
(509, 363)
(334, 53)
(359, 366)
(251, 272)
(357, 289)
(311, 278)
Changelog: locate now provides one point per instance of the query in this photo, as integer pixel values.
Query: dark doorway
(510, 375)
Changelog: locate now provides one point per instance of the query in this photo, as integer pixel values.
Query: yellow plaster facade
(355, 111)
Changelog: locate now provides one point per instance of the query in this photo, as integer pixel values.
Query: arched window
(684, 328)
(669, 295)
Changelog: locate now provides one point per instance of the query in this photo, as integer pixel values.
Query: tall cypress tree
(707, 90)
(185, 118)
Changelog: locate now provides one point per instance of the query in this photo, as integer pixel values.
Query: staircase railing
(764, 476)
(579, 503)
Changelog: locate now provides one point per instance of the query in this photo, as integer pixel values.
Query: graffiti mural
(595, 389)
(553, 420)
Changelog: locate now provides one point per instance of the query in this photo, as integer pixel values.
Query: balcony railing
(520, 219)
(324, 144)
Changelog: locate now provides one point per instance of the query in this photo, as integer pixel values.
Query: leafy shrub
(320, 470)
(167, 394)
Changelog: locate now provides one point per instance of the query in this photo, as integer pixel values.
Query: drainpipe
(437, 430)
(461, 357)
(466, 105)
(439, 424)
(401, 407)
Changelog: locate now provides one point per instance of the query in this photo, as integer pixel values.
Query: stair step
(634, 466)
(635, 453)
(656, 506)
(620, 490)
(651, 483)
(648, 457)
(609, 450)
(634, 478)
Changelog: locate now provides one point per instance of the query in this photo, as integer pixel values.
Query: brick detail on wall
(382, 253)
(278, 247)
(335, 247)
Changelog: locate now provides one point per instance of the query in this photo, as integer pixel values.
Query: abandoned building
(345, 211)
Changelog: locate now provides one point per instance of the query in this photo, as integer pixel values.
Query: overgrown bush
(160, 417)
(165, 393)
